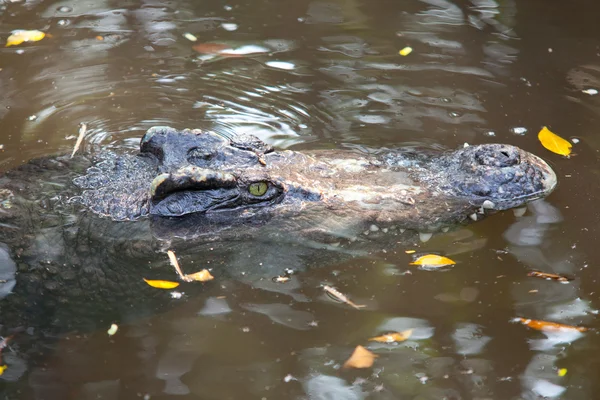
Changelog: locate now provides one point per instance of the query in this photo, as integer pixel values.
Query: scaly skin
(83, 232)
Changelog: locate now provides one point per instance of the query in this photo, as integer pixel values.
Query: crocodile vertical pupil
(258, 188)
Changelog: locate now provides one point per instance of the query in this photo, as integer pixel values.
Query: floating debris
(190, 37)
(433, 261)
(175, 263)
(405, 51)
(113, 329)
(82, 130)
(4, 344)
(554, 143)
(160, 284)
(360, 358)
(548, 276)
(19, 36)
(548, 326)
(341, 297)
(393, 337)
(200, 276)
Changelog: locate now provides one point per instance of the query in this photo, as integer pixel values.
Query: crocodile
(78, 234)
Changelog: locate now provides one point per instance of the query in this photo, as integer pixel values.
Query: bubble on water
(228, 8)
(64, 9)
(490, 133)
(519, 130)
(63, 22)
(454, 114)
(281, 65)
(229, 26)
(373, 119)
(575, 140)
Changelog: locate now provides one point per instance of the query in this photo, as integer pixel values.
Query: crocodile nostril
(506, 157)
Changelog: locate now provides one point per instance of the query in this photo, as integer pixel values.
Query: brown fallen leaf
(341, 297)
(433, 260)
(393, 337)
(200, 276)
(553, 142)
(159, 284)
(546, 275)
(360, 358)
(548, 326)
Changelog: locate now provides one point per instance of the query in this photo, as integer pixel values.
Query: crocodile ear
(250, 143)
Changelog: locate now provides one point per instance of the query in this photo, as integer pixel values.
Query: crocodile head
(186, 172)
(493, 176)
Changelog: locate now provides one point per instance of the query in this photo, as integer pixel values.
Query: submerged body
(83, 233)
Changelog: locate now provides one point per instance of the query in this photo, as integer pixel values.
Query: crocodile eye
(258, 188)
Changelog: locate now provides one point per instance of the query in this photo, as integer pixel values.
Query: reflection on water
(318, 74)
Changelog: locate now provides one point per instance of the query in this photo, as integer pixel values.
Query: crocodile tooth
(473, 216)
(519, 212)
(425, 236)
(445, 229)
(466, 145)
(402, 230)
(488, 204)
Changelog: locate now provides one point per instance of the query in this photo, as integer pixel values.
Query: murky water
(325, 74)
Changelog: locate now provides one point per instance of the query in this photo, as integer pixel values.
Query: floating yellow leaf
(161, 284)
(410, 251)
(2, 368)
(562, 372)
(549, 326)
(405, 51)
(554, 143)
(200, 276)
(19, 36)
(393, 337)
(360, 358)
(433, 260)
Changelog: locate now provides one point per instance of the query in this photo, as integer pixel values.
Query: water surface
(320, 75)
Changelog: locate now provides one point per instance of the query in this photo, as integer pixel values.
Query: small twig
(175, 264)
(82, 130)
(341, 297)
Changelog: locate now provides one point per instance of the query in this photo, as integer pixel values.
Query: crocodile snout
(498, 156)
